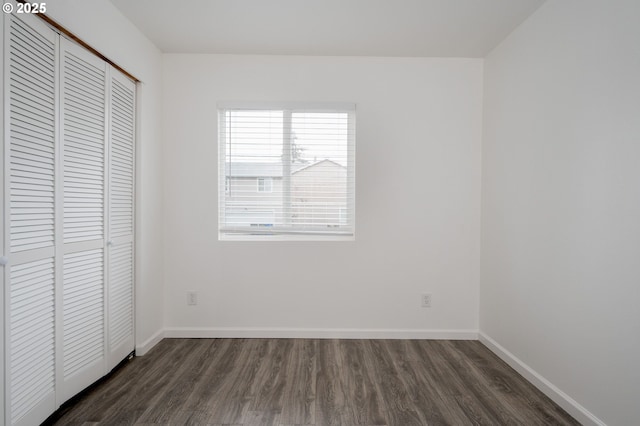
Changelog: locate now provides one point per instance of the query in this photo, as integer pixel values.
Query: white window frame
(277, 233)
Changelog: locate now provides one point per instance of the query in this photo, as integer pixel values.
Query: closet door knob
(109, 243)
(4, 260)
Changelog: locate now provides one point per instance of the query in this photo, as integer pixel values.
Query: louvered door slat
(41, 61)
(33, 138)
(82, 317)
(83, 153)
(19, 66)
(30, 94)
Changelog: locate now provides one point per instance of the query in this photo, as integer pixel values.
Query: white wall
(560, 281)
(418, 202)
(104, 28)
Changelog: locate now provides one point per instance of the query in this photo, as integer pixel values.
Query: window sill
(283, 237)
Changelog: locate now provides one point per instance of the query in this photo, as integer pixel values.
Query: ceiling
(422, 28)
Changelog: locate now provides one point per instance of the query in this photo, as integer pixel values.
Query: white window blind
(286, 170)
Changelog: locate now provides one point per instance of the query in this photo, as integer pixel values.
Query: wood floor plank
(267, 389)
(398, 404)
(364, 401)
(330, 397)
(218, 368)
(422, 384)
(477, 385)
(230, 401)
(307, 382)
(469, 399)
(179, 388)
(299, 394)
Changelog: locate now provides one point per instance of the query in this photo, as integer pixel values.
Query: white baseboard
(146, 346)
(318, 333)
(559, 397)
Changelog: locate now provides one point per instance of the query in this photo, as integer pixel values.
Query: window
(289, 171)
(265, 184)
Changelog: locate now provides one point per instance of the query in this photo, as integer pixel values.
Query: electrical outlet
(426, 300)
(192, 298)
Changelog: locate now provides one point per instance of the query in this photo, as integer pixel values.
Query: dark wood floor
(314, 382)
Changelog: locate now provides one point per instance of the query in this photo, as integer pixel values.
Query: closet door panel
(32, 137)
(121, 301)
(29, 205)
(83, 313)
(121, 217)
(32, 341)
(83, 118)
(83, 140)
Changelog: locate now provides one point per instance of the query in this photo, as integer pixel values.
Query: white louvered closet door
(67, 233)
(29, 219)
(121, 218)
(81, 346)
